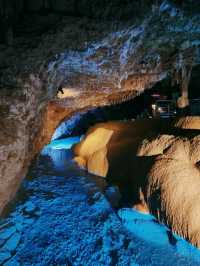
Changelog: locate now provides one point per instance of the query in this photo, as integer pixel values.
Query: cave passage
(66, 66)
(61, 207)
(135, 108)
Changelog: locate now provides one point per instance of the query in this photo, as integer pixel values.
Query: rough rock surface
(190, 122)
(120, 139)
(161, 171)
(155, 146)
(173, 183)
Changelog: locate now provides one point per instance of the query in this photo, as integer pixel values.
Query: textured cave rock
(103, 63)
(158, 168)
(191, 123)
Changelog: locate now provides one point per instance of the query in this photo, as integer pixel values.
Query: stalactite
(185, 64)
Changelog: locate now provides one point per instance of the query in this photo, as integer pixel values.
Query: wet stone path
(62, 216)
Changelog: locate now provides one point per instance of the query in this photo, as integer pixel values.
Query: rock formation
(159, 171)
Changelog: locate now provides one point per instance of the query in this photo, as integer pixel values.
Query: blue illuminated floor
(61, 217)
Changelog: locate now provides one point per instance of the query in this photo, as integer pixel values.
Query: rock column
(186, 70)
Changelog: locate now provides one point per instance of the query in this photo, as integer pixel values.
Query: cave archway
(127, 105)
(77, 123)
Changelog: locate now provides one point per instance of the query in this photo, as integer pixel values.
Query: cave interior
(63, 203)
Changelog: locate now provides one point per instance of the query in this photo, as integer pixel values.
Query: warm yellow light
(68, 93)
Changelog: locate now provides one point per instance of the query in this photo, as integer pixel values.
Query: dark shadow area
(18, 17)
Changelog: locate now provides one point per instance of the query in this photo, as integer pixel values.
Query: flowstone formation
(107, 63)
(156, 164)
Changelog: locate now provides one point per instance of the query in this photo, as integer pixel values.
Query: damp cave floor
(61, 216)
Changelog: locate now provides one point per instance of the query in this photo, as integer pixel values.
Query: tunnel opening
(71, 130)
(137, 107)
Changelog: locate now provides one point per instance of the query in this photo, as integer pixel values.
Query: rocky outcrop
(112, 150)
(161, 171)
(21, 116)
(190, 122)
(173, 190)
